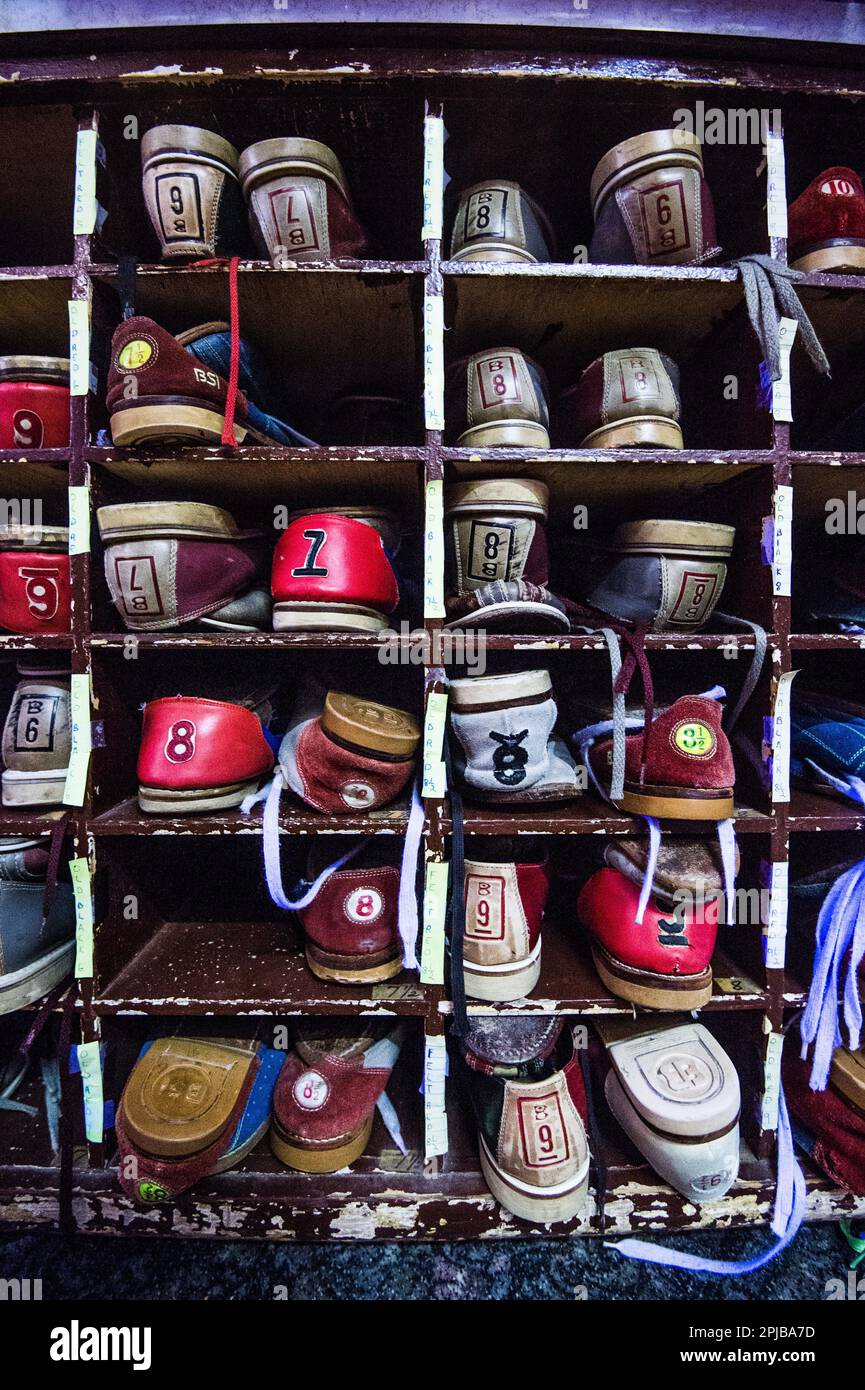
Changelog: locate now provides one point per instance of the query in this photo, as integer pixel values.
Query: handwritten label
(90, 1065)
(434, 775)
(771, 1081)
(781, 739)
(782, 540)
(79, 758)
(433, 362)
(434, 551)
(435, 902)
(79, 521)
(84, 210)
(79, 347)
(775, 930)
(79, 870)
(782, 400)
(736, 984)
(397, 992)
(435, 1115)
(776, 185)
(433, 178)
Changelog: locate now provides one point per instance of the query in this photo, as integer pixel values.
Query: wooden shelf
(242, 968)
(127, 819)
(587, 815)
(355, 327)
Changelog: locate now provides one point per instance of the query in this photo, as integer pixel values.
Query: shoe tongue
(682, 863)
(317, 1038)
(512, 1041)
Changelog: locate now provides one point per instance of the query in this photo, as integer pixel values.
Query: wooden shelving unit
(206, 941)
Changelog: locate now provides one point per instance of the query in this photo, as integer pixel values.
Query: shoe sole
(542, 1209)
(33, 788)
(643, 431)
(699, 538)
(505, 614)
(343, 970)
(674, 803)
(502, 985)
(651, 990)
(306, 1159)
(159, 800)
(326, 617)
(34, 981)
(170, 420)
(837, 259)
(505, 434)
(165, 520)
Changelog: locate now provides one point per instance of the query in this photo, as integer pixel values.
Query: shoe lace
(787, 1216)
(840, 929)
(407, 912)
(231, 394)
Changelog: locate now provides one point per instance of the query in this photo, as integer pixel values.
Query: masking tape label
(79, 521)
(84, 213)
(434, 552)
(435, 1115)
(782, 540)
(781, 739)
(79, 759)
(79, 347)
(771, 1081)
(782, 400)
(775, 932)
(435, 902)
(79, 870)
(434, 776)
(433, 178)
(433, 362)
(776, 185)
(90, 1064)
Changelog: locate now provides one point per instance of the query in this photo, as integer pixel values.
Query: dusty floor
(97, 1267)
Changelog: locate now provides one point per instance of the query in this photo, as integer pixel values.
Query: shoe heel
(324, 1160)
(166, 801)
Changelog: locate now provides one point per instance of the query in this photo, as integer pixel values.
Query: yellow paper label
(694, 740)
(434, 552)
(79, 521)
(79, 347)
(433, 178)
(79, 759)
(91, 1080)
(433, 362)
(79, 870)
(84, 212)
(434, 776)
(435, 903)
